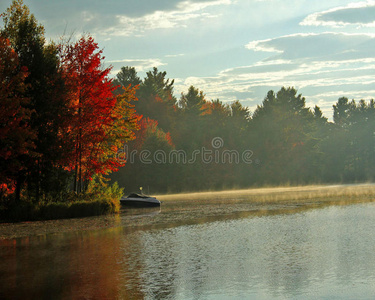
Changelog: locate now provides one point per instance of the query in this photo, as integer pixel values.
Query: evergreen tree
(156, 100)
(283, 130)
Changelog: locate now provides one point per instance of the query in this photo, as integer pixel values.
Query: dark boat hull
(135, 203)
(136, 200)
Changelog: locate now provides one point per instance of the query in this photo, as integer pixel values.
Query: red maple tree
(99, 119)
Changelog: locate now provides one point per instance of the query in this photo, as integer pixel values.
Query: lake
(178, 252)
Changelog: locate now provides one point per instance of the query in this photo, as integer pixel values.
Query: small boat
(137, 200)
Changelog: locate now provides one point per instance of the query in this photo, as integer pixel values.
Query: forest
(285, 142)
(69, 129)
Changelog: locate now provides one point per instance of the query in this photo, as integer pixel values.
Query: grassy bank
(98, 200)
(27, 211)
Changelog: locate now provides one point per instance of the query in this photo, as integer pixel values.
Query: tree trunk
(19, 183)
(37, 182)
(75, 177)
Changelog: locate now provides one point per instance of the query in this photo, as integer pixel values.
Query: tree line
(285, 142)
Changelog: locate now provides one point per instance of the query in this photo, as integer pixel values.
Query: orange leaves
(100, 122)
(169, 140)
(148, 128)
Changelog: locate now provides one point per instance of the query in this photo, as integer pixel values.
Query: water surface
(319, 253)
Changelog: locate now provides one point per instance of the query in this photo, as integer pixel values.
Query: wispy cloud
(141, 65)
(175, 55)
(263, 46)
(339, 64)
(163, 19)
(357, 13)
(301, 45)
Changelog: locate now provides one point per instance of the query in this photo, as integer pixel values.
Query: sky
(231, 49)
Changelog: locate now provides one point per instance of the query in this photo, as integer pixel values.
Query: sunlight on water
(316, 253)
(276, 194)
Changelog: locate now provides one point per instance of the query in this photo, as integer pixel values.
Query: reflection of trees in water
(93, 268)
(78, 266)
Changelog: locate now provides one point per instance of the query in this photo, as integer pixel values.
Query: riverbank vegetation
(95, 201)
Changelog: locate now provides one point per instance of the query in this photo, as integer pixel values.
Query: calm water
(323, 253)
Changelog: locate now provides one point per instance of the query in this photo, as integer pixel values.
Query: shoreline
(194, 208)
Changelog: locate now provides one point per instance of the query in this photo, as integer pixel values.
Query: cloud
(119, 18)
(309, 45)
(163, 19)
(263, 46)
(358, 13)
(141, 65)
(175, 55)
(322, 67)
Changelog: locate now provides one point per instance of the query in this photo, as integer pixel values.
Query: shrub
(98, 200)
(24, 211)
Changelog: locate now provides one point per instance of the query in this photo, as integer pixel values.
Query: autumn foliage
(98, 120)
(61, 121)
(16, 136)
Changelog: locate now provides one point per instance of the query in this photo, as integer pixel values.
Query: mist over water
(280, 254)
(313, 254)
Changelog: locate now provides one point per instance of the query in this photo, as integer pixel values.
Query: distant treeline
(192, 143)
